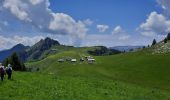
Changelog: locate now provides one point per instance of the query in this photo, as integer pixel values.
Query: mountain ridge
(126, 48)
(26, 52)
(19, 48)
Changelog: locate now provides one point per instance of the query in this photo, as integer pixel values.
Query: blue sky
(84, 22)
(111, 12)
(128, 13)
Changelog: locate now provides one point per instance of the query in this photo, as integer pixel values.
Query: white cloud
(66, 24)
(35, 2)
(165, 4)
(36, 14)
(110, 40)
(124, 37)
(88, 22)
(156, 24)
(17, 7)
(148, 33)
(117, 30)
(8, 42)
(102, 28)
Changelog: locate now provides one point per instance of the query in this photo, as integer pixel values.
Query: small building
(82, 59)
(60, 60)
(68, 59)
(73, 60)
(91, 61)
(88, 57)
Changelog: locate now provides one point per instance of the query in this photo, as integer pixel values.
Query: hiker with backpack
(2, 72)
(9, 71)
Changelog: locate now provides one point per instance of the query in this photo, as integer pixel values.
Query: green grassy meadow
(129, 76)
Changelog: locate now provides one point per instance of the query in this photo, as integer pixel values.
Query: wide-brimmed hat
(9, 65)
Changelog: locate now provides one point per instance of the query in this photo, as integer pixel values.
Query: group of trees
(101, 51)
(165, 40)
(15, 62)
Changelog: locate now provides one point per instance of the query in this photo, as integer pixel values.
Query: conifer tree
(154, 42)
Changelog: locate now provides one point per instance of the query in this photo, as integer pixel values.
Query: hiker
(2, 72)
(9, 71)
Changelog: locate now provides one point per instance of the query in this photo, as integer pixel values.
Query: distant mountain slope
(102, 50)
(36, 51)
(125, 48)
(46, 47)
(19, 48)
(30, 53)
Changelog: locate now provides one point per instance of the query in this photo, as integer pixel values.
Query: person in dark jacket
(9, 71)
(2, 72)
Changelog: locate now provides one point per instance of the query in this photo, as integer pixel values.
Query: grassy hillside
(147, 70)
(129, 76)
(36, 86)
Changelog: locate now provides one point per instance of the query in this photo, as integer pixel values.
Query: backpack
(9, 70)
(2, 71)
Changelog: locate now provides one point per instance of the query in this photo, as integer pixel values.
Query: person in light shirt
(9, 71)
